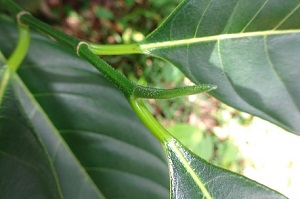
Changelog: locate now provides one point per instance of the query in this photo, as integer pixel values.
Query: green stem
(19, 53)
(117, 78)
(14, 61)
(119, 49)
(150, 122)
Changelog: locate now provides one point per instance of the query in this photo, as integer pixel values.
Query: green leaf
(249, 49)
(25, 170)
(70, 176)
(95, 145)
(193, 177)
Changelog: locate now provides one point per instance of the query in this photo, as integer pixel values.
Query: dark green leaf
(96, 145)
(249, 49)
(193, 177)
(72, 179)
(25, 170)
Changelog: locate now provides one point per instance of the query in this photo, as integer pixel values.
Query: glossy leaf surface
(249, 49)
(95, 144)
(193, 177)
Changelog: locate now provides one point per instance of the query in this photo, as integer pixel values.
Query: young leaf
(249, 49)
(95, 143)
(193, 177)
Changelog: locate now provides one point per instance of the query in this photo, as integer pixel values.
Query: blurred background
(222, 135)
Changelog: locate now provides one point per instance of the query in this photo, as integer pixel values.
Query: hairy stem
(118, 79)
(155, 93)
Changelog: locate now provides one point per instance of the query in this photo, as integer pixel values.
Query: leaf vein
(276, 73)
(189, 68)
(18, 159)
(287, 16)
(200, 20)
(256, 14)
(232, 86)
(174, 147)
(146, 48)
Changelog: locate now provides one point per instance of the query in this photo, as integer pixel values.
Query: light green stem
(150, 122)
(14, 61)
(119, 49)
(19, 53)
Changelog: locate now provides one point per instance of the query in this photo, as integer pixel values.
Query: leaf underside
(249, 49)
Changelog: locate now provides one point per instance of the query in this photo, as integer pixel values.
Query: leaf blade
(193, 177)
(213, 26)
(22, 150)
(72, 179)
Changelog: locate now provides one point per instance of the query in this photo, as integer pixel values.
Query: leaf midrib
(180, 42)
